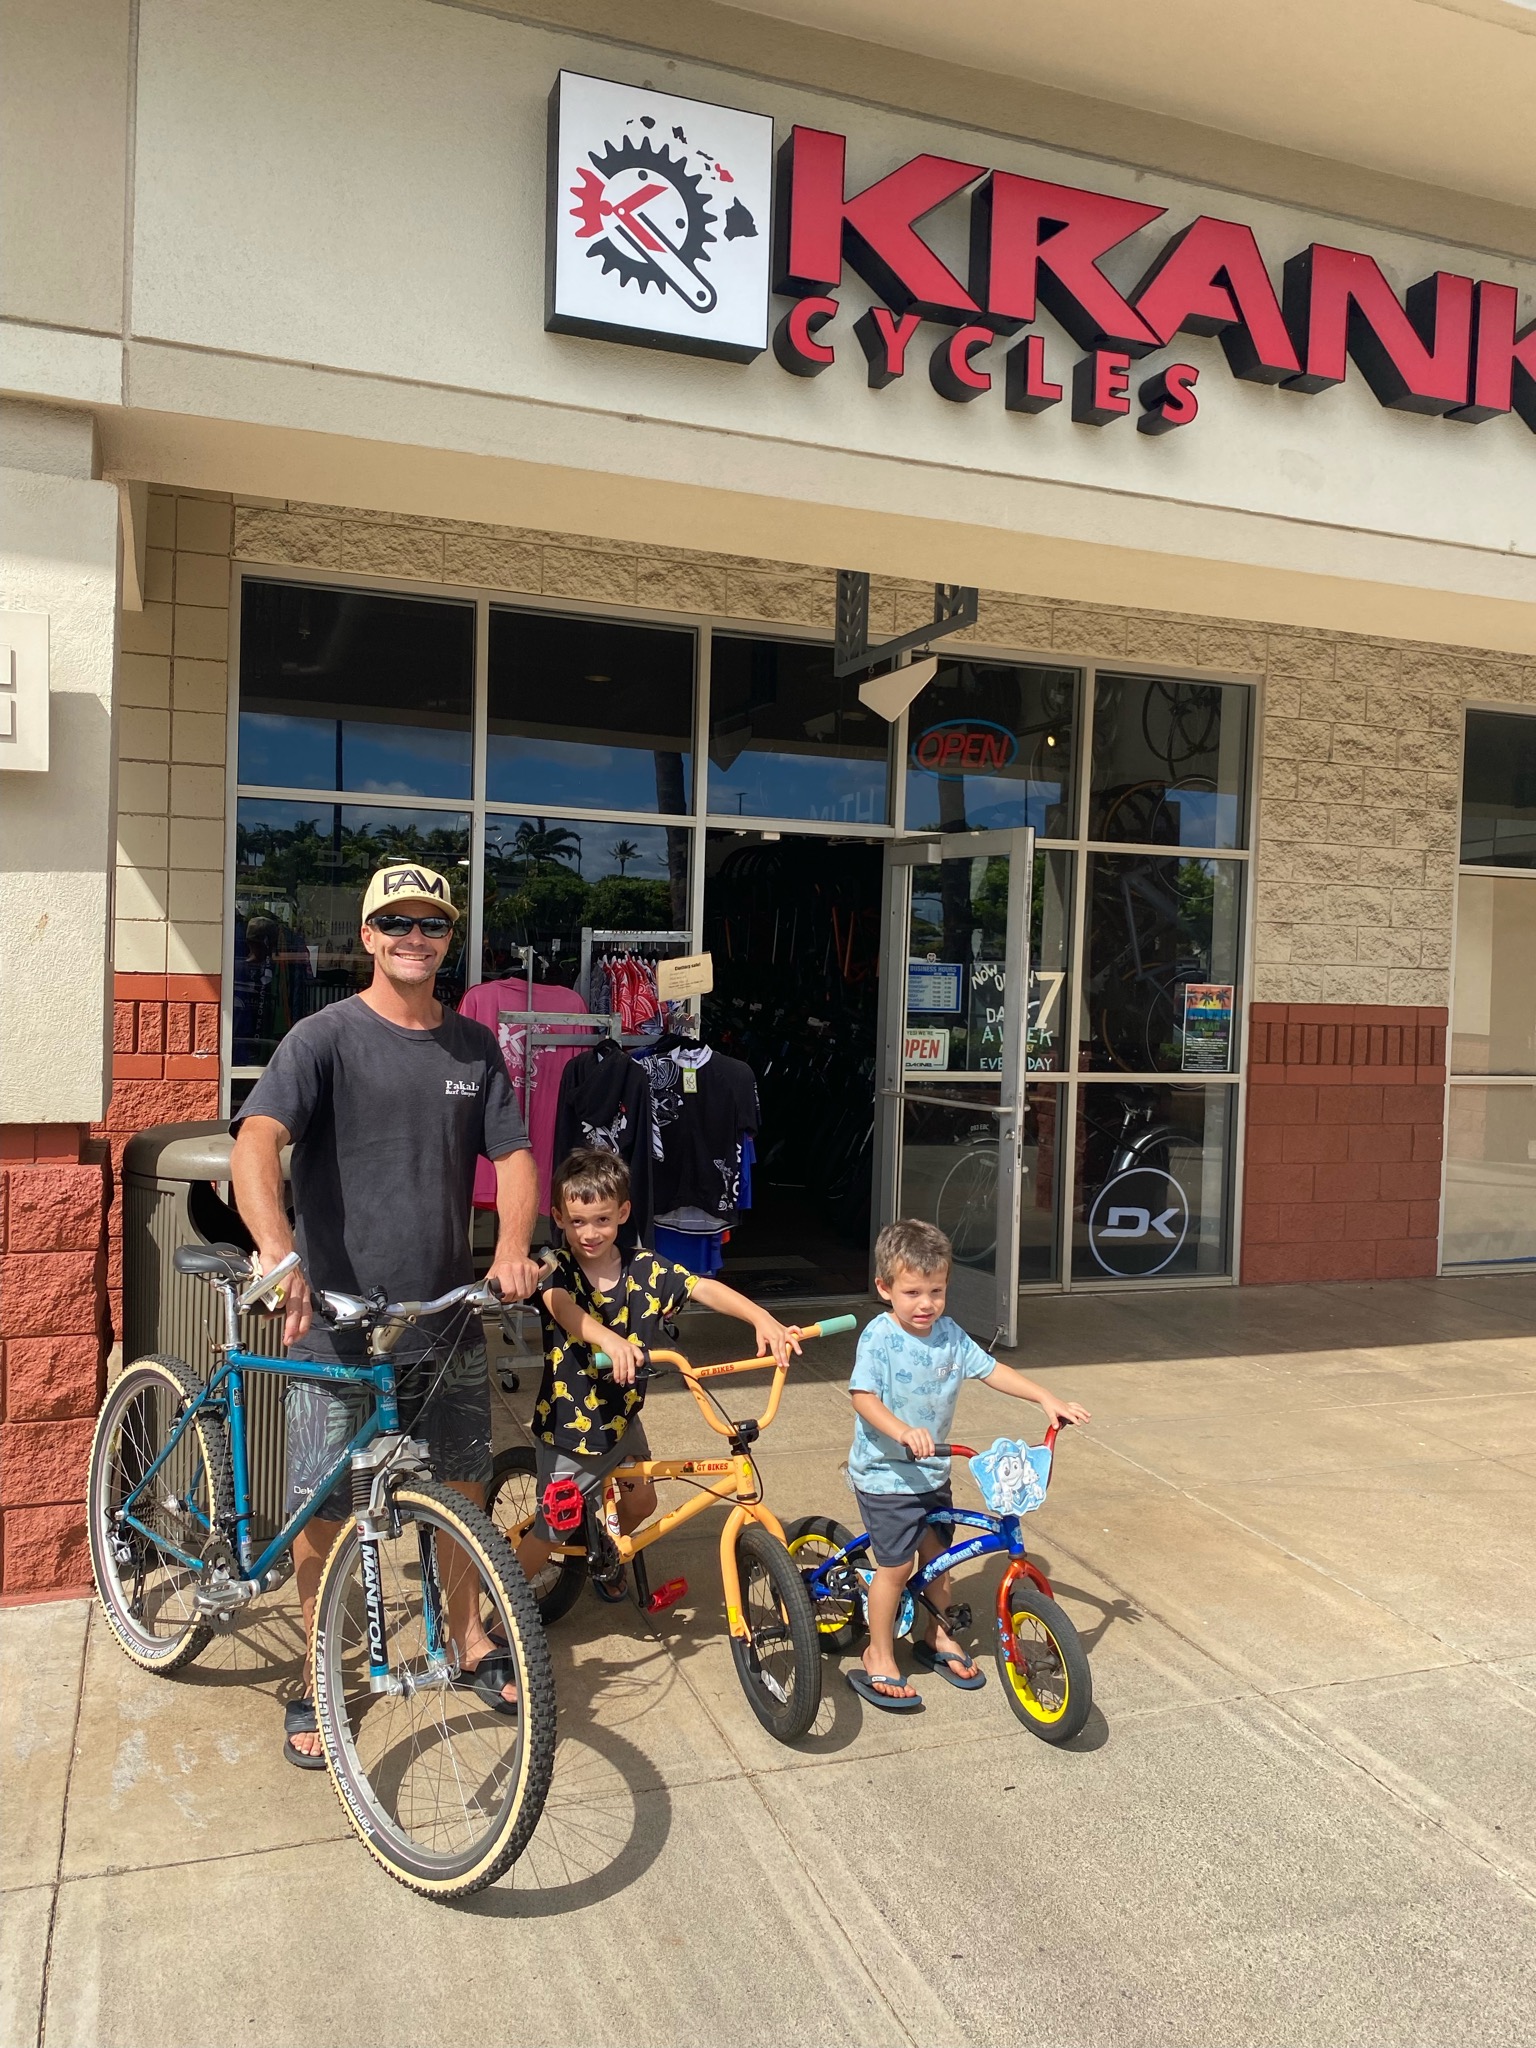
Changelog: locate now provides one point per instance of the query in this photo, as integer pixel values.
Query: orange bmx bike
(772, 1622)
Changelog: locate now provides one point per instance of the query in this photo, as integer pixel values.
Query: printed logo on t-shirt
(461, 1087)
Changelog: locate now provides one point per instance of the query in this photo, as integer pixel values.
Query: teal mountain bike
(443, 1786)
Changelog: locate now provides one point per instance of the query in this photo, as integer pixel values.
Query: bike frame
(226, 1390)
(734, 1480)
(1001, 1535)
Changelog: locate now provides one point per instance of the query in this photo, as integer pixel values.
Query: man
(388, 1099)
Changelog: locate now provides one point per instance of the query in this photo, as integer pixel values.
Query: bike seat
(212, 1261)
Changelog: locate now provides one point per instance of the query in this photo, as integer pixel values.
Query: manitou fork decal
(373, 1600)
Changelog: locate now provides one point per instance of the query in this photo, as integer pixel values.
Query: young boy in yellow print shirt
(585, 1422)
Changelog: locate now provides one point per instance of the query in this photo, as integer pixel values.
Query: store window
(300, 872)
(990, 747)
(1152, 1184)
(551, 883)
(1490, 1171)
(589, 713)
(787, 739)
(1160, 932)
(1170, 762)
(352, 690)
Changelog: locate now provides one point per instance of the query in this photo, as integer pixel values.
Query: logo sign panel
(659, 219)
(1138, 1223)
(965, 747)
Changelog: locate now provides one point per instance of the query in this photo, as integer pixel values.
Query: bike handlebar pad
(834, 1326)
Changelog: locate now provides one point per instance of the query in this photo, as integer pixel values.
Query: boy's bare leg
(880, 1650)
(935, 1635)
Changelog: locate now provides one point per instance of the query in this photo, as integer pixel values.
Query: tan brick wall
(171, 743)
(1359, 776)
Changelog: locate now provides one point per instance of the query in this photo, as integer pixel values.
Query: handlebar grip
(602, 1361)
(831, 1326)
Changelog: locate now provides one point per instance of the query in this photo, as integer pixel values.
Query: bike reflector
(1012, 1476)
(564, 1505)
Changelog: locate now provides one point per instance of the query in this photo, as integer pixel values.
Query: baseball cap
(404, 882)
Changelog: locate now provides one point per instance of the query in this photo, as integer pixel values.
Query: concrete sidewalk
(1300, 1541)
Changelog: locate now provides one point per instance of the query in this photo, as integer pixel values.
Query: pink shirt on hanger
(483, 1003)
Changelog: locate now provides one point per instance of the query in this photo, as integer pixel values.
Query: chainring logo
(1139, 1222)
(658, 219)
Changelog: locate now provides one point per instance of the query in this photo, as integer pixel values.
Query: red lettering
(1169, 399)
(1033, 241)
(884, 339)
(1026, 388)
(1503, 362)
(1211, 279)
(953, 749)
(1100, 384)
(950, 369)
(1414, 360)
(794, 341)
(818, 228)
(994, 750)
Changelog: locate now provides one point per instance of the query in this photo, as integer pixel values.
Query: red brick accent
(53, 1270)
(165, 1027)
(1346, 1127)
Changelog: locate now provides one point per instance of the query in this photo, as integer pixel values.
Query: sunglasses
(394, 924)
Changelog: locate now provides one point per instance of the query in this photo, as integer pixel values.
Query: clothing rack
(639, 942)
(599, 1024)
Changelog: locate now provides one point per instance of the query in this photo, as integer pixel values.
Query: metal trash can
(172, 1177)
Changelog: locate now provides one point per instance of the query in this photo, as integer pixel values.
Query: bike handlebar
(965, 1451)
(833, 1326)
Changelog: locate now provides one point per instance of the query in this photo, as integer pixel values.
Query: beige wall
(58, 556)
(1359, 769)
(170, 825)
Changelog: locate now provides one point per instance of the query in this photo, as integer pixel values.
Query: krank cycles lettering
(639, 182)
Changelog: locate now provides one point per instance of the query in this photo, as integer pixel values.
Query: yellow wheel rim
(1037, 1670)
(832, 1616)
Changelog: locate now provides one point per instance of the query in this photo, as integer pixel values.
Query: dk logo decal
(658, 219)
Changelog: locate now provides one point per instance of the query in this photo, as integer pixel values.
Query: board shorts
(321, 1420)
(589, 1473)
(896, 1521)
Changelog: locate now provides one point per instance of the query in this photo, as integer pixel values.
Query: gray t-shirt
(387, 1125)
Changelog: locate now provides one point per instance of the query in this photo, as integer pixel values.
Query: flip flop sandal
(865, 1683)
(299, 1719)
(486, 1681)
(944, 1664)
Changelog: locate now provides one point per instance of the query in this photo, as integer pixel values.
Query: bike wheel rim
(183, 1476)
(1031, 1637)
(402, 1755)
(772, 1642)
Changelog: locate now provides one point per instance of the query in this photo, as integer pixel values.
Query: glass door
(952, 1072)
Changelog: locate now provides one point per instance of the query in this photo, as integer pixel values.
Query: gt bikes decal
(658, 219)
(1138, 1224)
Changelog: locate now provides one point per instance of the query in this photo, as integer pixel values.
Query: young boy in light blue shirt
(906, 1381)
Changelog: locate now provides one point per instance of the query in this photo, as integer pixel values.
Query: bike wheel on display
(839, 1610)
(779, 1660)
(514, 1496)
(442, 1788)
(146, 1590)
(966, 1206)
(1046, 1680)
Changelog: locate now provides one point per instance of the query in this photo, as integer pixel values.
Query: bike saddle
(212, 1261)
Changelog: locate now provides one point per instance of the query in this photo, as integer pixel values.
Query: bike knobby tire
(779, 1660)
(441, 1789)
(840, 1610)
(1047, 1680)
(147, 1593)
(511, 1498)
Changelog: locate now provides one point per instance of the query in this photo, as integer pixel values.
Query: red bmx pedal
(667, 1596)
(564, 1505)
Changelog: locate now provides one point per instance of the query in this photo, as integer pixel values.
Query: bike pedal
(667, 1596)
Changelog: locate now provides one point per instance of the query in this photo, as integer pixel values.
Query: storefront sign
(933, 988)
(984, 1040)
(926, 1049)
(1138, 1223)
(965, 747)
(658, 219)
(659, 211)
(1207, 1027)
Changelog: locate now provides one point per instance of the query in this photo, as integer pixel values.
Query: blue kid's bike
(1040, 1659)
(442, 1779)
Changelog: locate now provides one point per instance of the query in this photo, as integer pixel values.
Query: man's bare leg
(311, 1547)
